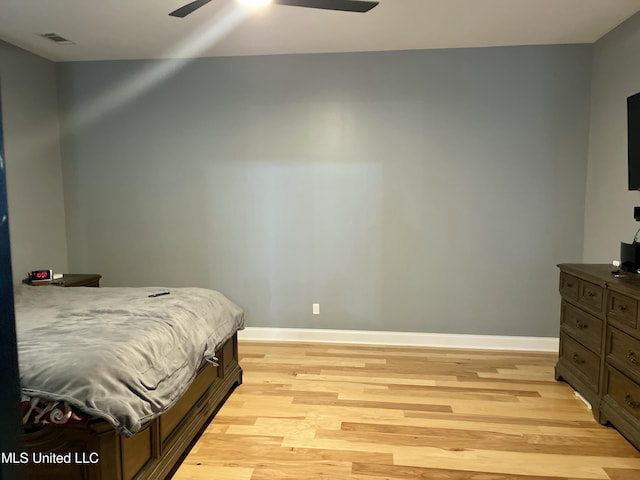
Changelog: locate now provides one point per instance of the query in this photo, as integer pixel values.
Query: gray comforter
(115, 353)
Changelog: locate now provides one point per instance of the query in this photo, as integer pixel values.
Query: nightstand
(72, 280)
(78, 280)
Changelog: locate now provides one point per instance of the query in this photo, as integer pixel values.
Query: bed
(118, 383)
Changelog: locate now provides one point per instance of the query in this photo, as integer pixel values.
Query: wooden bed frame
(97, 452)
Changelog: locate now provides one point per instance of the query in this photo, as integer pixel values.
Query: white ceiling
(126, 29)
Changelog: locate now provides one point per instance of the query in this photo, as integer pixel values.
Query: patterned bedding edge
(37, 411)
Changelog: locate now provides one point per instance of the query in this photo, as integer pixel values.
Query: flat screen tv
(633, 139)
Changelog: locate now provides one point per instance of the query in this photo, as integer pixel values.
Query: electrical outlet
(316, 309)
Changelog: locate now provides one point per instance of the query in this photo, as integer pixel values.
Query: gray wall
(609, 205)
(429, 191)
(34, 168)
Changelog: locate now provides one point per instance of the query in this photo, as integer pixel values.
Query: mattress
(118, 353)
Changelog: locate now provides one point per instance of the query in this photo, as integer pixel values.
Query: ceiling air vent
(54, 37)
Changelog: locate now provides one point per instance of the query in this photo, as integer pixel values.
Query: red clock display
(41, 275)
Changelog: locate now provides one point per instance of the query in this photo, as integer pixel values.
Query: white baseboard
(584, 400)
(445, 340)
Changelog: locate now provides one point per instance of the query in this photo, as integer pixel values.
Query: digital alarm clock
(40, 276)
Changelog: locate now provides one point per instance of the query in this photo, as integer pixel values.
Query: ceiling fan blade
(188, 8)
(360, 6)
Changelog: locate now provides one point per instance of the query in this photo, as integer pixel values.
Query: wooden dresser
(600, 343)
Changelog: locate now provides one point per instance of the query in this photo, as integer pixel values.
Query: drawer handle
(569, 285)
(622, 308)
(591, 294)
(580, 325)
(631, 356)
(576, 358)
(630, 402)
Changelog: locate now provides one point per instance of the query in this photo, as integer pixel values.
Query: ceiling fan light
(255, 3)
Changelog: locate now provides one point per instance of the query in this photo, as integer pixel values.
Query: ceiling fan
(360, 6)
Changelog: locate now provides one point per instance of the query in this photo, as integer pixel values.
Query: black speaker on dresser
(630, 256)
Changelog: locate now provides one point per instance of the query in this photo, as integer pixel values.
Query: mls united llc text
(50, 457)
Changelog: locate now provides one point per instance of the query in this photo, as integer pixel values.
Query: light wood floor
(318, 411)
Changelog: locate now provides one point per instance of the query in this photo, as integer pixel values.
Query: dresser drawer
(582, 326)
(568, 286)
(622, 309)
(590, 295)
(580, 359)
(624, 392)
(624, 352)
